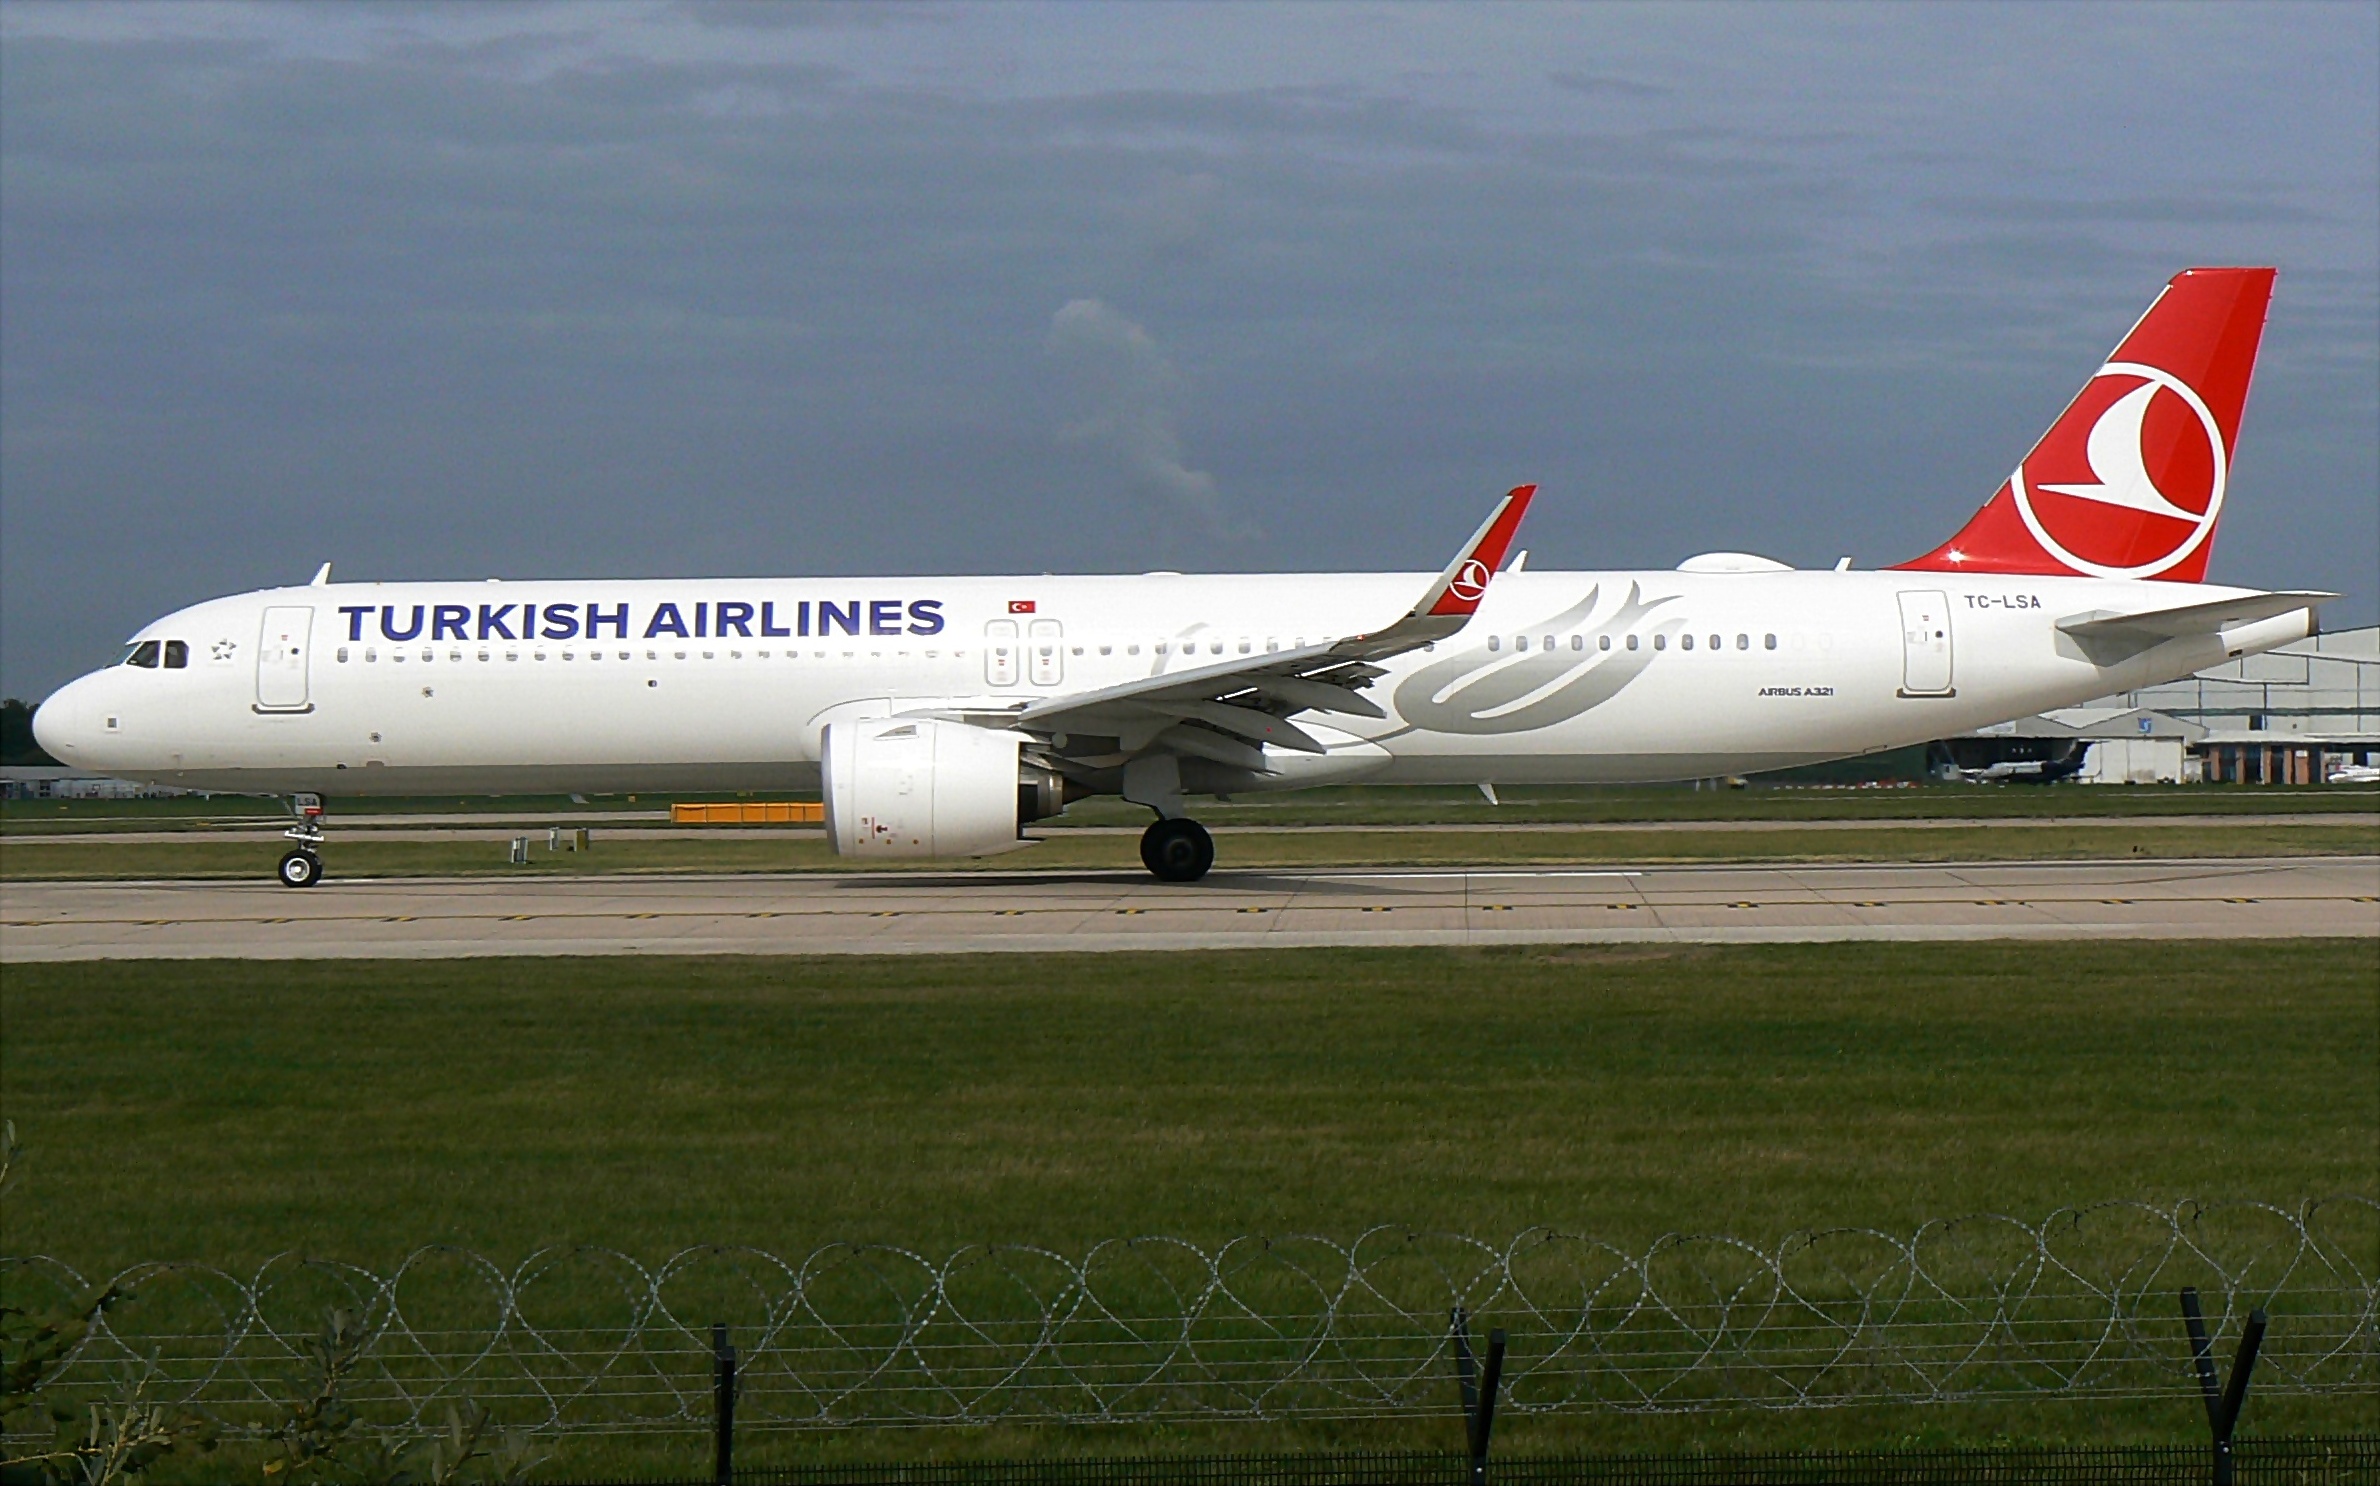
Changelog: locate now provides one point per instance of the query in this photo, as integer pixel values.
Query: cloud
(1591, 83)
(633, 289)
(1131, 388)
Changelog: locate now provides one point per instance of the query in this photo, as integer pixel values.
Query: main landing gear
(303, 866)
(1177, 850)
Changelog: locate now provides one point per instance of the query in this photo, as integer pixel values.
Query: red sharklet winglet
(1465, 581)
(2129, 481)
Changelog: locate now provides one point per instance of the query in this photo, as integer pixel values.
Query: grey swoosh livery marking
(1474, 692)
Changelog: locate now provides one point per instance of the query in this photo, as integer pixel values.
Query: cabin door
(1925, 644)
(282, 657)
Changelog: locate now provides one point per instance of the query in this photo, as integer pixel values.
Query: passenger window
(143, 655)
(1661, 642)
(177, 655)
(1495, 642)
(1578, 642)
(1743, 642)
(1632, 642)
(1549, 643)
(1770, 642)
(370, 654)
(1685, 642)
(1715, 642)
(1603, 642)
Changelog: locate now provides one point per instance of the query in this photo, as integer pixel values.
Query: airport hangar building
(2290, 716)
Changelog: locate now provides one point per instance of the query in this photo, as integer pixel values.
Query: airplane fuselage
(1560, 677)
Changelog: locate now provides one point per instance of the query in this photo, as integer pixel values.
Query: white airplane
(939, 716)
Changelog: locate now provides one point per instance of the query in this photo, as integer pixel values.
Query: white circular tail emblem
(1469, 581)
(2108, 475)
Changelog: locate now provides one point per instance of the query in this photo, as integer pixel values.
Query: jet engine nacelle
(916, 788)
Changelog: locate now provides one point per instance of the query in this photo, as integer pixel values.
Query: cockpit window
(177, 655)
(144, 654)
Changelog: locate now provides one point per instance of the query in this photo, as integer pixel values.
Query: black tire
(300, 869)
(1177, 850)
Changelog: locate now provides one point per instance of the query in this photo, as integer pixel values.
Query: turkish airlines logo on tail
(2130, 482)
(1470, 581)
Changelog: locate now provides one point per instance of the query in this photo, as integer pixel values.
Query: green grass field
(358, 854)
(1346, 805)
(227, 1110)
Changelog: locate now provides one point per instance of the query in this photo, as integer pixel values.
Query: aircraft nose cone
(59, 725)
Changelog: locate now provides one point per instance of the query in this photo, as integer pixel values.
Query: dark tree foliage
(16, 735)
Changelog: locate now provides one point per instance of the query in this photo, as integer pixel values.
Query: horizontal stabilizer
(2191, 619)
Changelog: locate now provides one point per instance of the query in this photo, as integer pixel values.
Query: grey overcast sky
(443, 290)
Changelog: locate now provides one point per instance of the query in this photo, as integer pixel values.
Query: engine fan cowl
(917, 788)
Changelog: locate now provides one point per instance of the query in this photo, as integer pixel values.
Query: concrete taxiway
(946, 912)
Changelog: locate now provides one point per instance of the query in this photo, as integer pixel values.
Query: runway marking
(1252, 910)
(1495, 908)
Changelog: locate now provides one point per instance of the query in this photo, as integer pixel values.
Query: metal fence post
(722, 1405)
(1478, 1387)
(2223, 1402)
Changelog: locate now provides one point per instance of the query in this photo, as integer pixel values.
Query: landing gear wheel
(1177, 850)
(301, 869)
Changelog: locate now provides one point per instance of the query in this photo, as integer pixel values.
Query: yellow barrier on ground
(749, 813)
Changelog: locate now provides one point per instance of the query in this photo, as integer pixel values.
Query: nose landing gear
(303, 866)
(1177, 850)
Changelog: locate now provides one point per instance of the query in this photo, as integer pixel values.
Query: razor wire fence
(571, 1340)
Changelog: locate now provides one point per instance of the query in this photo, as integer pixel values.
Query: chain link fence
(573, 1340)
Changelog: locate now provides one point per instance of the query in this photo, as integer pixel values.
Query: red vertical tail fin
(2129, 482)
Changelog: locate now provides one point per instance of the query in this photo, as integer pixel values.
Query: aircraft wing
(1227, 711)
(2190, 619)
